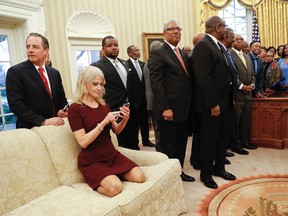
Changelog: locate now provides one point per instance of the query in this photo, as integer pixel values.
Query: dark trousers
(243, 118)
(156, 129)
(173, 139)
(128, 137)
(195, 150)
(214, 138)
(143, 124)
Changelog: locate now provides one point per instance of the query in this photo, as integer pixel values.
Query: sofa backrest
(26, 169)
(64, 150)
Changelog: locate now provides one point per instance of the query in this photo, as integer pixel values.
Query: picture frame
(147, 39)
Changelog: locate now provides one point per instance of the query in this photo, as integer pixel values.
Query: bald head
(197, 37)
(212, 22)
(215, 26)
(155, 44)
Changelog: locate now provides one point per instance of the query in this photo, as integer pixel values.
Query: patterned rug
(254, 196)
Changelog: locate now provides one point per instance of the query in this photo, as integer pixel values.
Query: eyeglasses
(220, 25)
(173, 29)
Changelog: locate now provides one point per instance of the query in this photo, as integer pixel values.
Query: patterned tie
(120, 72)
(41, 72)
(231, 60)
(242, 58)
(180, 59)
(138, 69)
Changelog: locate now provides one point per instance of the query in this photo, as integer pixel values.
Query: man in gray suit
(243, 97)
(150, 96)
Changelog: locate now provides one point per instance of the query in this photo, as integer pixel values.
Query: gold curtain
(272, 22)
(272, 17)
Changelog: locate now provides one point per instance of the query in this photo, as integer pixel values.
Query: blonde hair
(87, 75)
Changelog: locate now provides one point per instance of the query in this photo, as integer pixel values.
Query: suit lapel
(112, 70)
(175, 58)
(35, 75)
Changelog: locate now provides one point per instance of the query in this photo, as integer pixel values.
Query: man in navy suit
(138, 92)
(212, 74)
(171, 86)
(118, 89)
(34, 102)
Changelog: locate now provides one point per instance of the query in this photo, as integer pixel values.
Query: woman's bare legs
(110, 186)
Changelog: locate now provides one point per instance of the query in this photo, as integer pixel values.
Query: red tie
(41, 70)
(180, 59)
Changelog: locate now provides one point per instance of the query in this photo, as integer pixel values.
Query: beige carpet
(262, 161)
(261, 195)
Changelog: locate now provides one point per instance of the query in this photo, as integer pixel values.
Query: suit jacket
(137, 86)
(115, 92)
(246, 75)
(259, 74)
(212, 77)
(170, 84)
(28, 97)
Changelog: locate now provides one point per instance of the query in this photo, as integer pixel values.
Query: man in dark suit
(212, 73)
(171, 86)
(118, 89)
(258, 69)
(235, 145)
(246, 76)
(34, 91)
(138, 92)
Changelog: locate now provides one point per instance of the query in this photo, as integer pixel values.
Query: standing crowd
(205, 91)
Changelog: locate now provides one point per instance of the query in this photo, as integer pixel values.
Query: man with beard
(117, 86)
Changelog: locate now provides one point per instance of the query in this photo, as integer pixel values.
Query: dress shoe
(149, 143)
(227, 161)
(186, 178)
(209, 182)
(229, 154)
(240, 150)
(225, 175)
(249, 146)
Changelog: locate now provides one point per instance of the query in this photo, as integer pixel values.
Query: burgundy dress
(100, 158)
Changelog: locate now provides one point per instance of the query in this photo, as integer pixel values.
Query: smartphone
(65, 107)
(127, 104)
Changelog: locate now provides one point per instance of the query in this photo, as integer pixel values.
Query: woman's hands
(124, 113)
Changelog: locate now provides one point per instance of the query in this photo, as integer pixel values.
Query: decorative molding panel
(88, 23)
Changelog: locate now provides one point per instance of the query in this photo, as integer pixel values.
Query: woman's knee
(138, 175)
(116, 188)
(111, 186)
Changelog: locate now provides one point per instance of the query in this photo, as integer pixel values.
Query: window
(8, 119)
(86, 57)
(237, 18)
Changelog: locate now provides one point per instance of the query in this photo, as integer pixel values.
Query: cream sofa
(39, 176)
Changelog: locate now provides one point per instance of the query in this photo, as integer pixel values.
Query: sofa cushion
(64, 150)
(136, 197)
(26, 168)
(64, 201)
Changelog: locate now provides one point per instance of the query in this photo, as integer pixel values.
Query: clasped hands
(247, 88)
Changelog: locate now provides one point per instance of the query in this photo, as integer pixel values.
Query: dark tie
(41, 72)
(223, 53)
(255, 60)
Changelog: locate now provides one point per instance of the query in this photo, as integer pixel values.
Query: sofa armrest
(143, 158)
